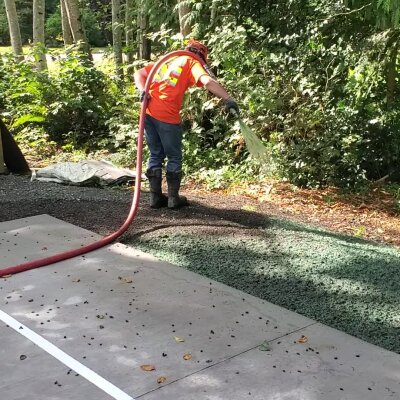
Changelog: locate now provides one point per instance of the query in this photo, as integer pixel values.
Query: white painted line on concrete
(70, 362)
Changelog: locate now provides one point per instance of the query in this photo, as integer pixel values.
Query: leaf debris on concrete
(264, 346)
(148, 367)
(303, 339)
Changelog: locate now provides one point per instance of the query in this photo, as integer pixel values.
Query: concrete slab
(21, 376)
(117, 308)
(330, 366)
(40, 236)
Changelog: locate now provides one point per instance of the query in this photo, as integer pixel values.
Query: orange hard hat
(198, 48)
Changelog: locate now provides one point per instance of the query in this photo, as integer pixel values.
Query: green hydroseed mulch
(346, 283)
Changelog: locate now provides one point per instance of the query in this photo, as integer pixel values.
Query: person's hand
(231, 106)
(142, 96)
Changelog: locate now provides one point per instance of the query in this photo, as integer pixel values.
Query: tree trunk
(129, 5)
(391, 75)
(144, 49)
(67, 35)
(117, 36)
(13, 26)
(3, 168)
(183, 12)
(38, 34)
(76, 25)
(214, 12)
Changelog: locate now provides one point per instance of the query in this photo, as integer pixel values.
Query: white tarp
(85, 173)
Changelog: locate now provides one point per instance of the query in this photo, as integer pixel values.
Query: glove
(231, 104)
(142, 95)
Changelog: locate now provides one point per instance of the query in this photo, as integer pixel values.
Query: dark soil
(104, 210)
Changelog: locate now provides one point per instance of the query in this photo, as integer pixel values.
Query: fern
(27, 118)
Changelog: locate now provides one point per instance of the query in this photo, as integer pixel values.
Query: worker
(163, 130)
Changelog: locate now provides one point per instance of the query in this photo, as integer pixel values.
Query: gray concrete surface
(117, 308)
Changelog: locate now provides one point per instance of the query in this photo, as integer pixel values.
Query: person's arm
(214, 87)
(218, 90)
(140, 77)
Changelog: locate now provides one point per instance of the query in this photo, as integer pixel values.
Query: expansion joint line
(224, 360)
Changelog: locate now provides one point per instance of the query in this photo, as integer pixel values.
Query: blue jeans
(164, 140)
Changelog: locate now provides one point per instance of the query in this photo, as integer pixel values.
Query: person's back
(169, 85)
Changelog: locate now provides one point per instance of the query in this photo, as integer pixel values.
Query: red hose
(136, 196)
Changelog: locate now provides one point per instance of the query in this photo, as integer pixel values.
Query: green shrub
(316, 93)
(75, 105)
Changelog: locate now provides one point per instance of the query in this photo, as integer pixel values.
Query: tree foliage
(317, 80)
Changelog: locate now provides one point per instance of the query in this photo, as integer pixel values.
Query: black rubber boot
(174, 184)
(157, 198)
